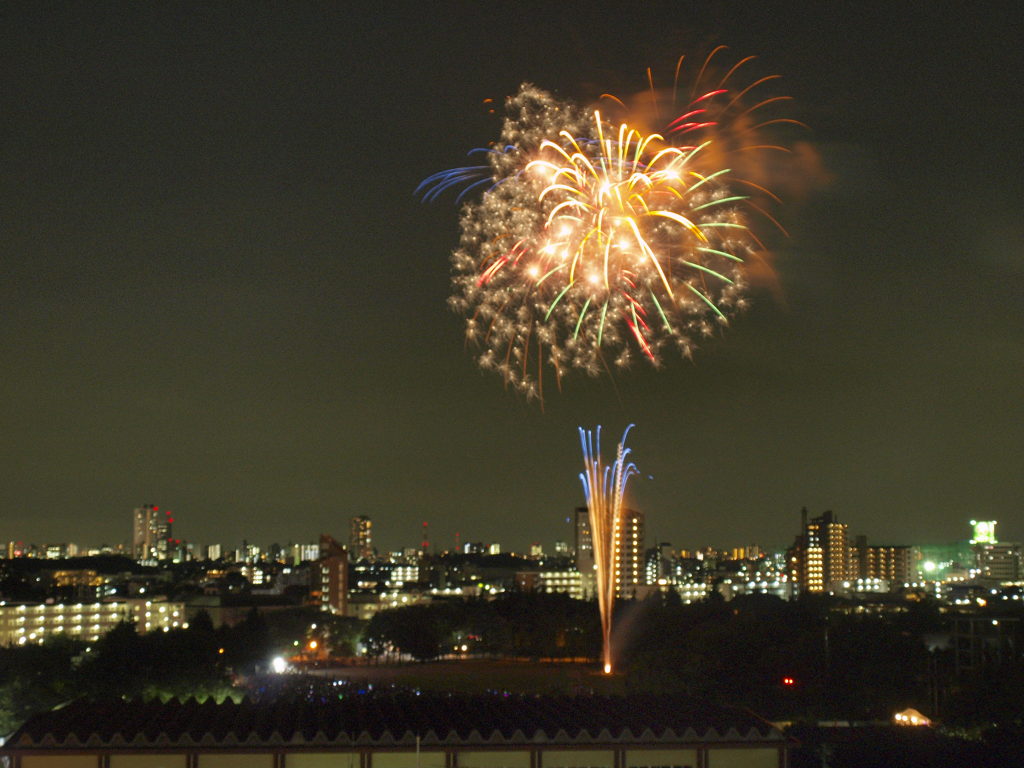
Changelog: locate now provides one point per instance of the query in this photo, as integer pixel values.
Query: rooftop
(359, 721)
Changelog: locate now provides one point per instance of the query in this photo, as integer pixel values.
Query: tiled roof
(389, 720)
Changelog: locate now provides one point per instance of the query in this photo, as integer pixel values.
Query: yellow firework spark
(632, 228)
(597, 242)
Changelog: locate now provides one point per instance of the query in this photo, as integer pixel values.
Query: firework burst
(596, 243)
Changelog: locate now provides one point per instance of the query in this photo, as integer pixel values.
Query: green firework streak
(664, 317)
(721, 253)
(709, 271)
(579, 322)
(707, 301)
(721, 201)
(600, 328)
(558, 298)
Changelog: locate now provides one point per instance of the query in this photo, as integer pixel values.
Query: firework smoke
(596, 243)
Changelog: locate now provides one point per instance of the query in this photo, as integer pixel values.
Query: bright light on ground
(279, 665)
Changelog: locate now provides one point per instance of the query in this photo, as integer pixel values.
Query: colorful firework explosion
(595, 243)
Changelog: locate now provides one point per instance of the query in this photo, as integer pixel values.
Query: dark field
(480, 675)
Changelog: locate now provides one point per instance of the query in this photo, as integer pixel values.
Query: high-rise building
(628, 562)
(994, 559)
(889, 563)
(821, 553)
(629, 553)
(1000, 561)
(151, 533)
(659, 563)
(302, 553)
(360, 538)
(749, 552)
(332, 569)
(583, 541)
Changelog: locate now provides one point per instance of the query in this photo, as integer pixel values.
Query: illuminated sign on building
(984, 532)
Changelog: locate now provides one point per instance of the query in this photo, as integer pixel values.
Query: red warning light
(788, 681)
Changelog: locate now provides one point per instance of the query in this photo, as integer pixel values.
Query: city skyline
(575, 536)
(223, 297)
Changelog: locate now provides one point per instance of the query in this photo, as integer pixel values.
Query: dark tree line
(782, 659)
(810, 658)
(516, 624)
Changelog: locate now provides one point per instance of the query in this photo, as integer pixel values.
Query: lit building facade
(23, 623)
(821, 554)
(360, 538)
(59, 551)
(692, 591)
(881, 562)
(629, 559)
(303, 553)
(151, 533)
(995, 560)
(332, 572)
(551, 582)
(584, 541)
(659, 564)
(1000, 562)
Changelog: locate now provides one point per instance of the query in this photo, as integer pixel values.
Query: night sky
(219, 294)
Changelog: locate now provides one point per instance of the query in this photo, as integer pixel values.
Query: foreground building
(399, 731)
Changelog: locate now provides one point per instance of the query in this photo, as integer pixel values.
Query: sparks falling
(596, 243)
(604, 488)
(633, 238)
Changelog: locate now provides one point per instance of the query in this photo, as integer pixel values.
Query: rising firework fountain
(604, 488)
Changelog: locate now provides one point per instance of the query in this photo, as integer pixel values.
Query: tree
(35, 678)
